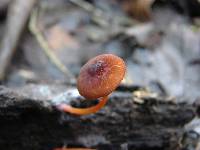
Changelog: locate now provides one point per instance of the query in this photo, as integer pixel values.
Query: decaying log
(33, 123)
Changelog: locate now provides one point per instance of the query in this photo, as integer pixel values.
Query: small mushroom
(99, 77)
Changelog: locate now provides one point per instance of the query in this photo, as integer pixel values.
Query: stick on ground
(45, 47)
(18, 14)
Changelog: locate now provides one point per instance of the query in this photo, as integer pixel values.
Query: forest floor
(43, 46)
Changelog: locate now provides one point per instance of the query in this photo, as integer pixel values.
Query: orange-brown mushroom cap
(100, 76)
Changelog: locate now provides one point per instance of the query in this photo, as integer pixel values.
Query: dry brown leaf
(139, 9)
(58, 39)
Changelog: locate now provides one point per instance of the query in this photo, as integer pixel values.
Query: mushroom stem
(84, 111)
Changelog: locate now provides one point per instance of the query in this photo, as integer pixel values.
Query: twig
(99, 15)
(18, 14)
(45, 47)
(87, 6)
(103, 19)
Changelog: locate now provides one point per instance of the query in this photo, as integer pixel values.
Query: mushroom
(99, 77)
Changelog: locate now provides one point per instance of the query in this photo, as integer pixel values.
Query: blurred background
(47, 41)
